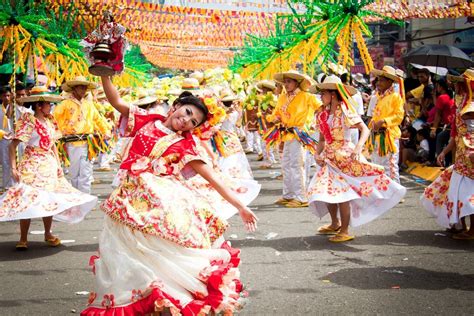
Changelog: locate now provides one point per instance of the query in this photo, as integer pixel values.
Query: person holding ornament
(386, 118)
(294, 110)
(41, 189)
(162, 245)
(450, 198)
(344, 182)
(79, 121)
(250, 120)
(266, 104)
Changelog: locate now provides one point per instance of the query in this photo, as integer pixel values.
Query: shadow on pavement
(431, 238)
(406, 277)
(308, 243)
(39, 250)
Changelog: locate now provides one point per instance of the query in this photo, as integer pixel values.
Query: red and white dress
(451, 196)
(343, 179)
(162, 243)
(42, 190)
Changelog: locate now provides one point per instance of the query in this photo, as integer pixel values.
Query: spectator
(444, 104)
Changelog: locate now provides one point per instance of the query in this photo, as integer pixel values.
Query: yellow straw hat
(305, 81)
(331, 82)
(78, 81)
(387, 72)
(40, 94)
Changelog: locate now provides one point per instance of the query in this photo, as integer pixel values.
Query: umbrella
(438, 56)
(435, 70)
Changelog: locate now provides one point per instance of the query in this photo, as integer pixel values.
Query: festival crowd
(182, 144)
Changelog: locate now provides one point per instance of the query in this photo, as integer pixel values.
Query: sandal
(22, 245)
(340, 238)
(328, 230)
(53, 241)
(463, 236)
(283, 201)
(296, 204)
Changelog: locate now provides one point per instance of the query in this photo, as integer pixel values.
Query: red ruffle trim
(199, 305)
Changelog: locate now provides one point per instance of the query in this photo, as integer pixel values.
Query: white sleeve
(372, 104)
(425, 145)
(360, 103)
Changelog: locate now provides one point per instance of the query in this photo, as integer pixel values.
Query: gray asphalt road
(400, 264)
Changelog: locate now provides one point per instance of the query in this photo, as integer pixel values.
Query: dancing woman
(162, 245)
(344, 180)
(42, 190)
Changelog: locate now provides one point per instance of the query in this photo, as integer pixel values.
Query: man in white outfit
(79, 120)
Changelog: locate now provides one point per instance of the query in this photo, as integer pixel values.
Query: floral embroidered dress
(451, 196)
(42, 190)
(162, 243)
(233, 169)
(344, 179)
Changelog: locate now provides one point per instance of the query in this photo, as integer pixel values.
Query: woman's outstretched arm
(248, 217)
(114, 97)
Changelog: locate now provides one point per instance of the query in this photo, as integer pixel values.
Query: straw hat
(40, 94)
(331, 82)
(320, 77)
(269, 84)
(190, 84)
(400, 73)
(305, 81)
(387, 72)
(358, 77)
(199, 76)
(227, 95)
(175, 92)
(78, 81)
(145, 100)
(461, 78)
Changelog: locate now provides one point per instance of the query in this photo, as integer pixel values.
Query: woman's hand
(8, 136)
(249, 218)
(356, 152)
(15, 175)
(319, 159)
(440, 159)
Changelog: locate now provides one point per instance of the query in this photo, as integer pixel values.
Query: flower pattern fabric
(345, 179)
(43, 190)
(450, 197)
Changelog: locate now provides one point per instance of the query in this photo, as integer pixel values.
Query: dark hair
(428, 91)
(345, 78)
(185, 94)
(411, 130)
(424, 132)
(227, 104)
(196, 102)
(444, 84)
(5, 89)
(20, 86)
(424, 71)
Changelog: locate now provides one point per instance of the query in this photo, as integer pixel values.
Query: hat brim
(453, 78)
(378, 73)
(261, 86)
(146, 101)
(333, 86)
(304, 81)
(41, 98)
(229, 98)
(68, 85)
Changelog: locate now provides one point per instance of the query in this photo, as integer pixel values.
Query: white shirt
(425, 145)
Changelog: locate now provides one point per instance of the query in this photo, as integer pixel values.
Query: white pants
(7, 180)
(81, 167)
(254, 142)
(389, 161)
(269, 153)
(294, 174)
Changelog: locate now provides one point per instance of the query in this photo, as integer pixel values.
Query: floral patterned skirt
(449, 198)
(342, 179)
(44, 191)
(235, 164)
(138, 274)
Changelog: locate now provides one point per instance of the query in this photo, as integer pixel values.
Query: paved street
(400, 264)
